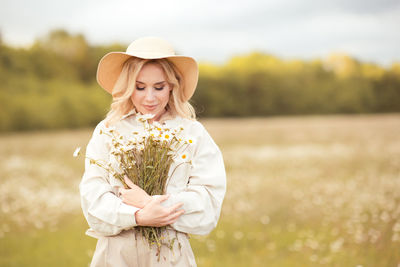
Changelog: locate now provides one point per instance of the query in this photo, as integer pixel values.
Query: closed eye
(159, 88)
(139, 88)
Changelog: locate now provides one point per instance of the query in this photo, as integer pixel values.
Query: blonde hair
(126, 84)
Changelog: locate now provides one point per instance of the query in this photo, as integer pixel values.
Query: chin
(145, 111)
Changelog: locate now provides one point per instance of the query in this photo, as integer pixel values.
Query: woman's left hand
(134, 196)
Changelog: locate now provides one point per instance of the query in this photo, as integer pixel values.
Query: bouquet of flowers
(145, 157)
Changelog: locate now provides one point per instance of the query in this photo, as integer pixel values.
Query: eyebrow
(157, 83)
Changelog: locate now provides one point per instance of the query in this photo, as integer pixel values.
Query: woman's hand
(134, 196)
(154, 214)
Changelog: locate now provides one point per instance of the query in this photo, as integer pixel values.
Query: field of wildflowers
(302, 191)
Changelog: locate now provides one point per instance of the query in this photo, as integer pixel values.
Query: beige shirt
(200, 186)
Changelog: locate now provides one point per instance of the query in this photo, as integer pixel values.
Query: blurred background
(302, 97)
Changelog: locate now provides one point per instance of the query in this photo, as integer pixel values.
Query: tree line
(52, 85)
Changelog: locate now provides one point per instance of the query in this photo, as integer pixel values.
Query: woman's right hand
(154, 214)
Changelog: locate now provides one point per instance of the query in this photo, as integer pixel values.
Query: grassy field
(302, 191)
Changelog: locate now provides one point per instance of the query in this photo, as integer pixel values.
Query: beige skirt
(129, 249)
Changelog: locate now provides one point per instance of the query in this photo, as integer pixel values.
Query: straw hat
(110, 66)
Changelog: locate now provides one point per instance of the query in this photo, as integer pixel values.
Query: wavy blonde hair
(126, 84)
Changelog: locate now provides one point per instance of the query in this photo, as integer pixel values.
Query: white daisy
(77, 152)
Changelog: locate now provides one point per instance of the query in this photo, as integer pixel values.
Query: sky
(214, 31)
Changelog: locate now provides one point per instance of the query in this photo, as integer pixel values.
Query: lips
(150, 107)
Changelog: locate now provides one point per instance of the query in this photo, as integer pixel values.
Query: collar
(133, 111)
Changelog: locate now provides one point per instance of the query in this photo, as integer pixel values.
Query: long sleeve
(205, 190)
(105, 213)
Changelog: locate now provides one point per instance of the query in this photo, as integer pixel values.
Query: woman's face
(151, 94)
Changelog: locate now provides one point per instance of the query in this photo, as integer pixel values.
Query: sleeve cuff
(127, 215)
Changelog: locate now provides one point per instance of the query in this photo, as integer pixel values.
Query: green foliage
(52, 85)
(260, 85)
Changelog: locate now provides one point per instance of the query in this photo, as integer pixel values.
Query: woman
(150, 79)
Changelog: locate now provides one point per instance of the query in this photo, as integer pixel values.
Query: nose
(149, 96)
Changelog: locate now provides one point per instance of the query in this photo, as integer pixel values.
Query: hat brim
(110, 67)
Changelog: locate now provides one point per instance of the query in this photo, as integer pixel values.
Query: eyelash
(142, 88)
